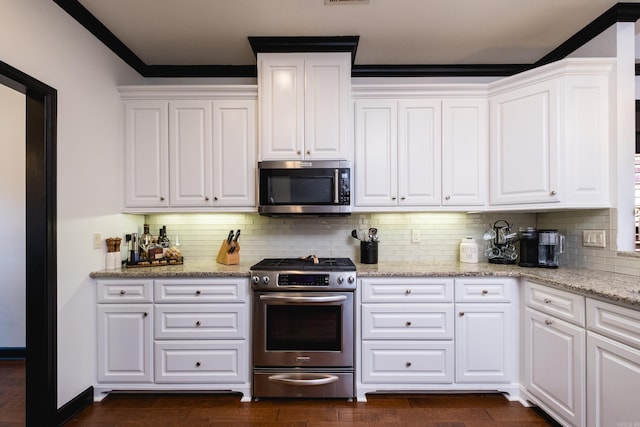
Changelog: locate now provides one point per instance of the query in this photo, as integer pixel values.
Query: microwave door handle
(336, 186)
(302, 300)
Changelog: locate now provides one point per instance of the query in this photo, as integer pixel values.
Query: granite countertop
(618, 288)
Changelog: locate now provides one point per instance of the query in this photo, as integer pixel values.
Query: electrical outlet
(594, 238)
(97, 240)
(415, 236)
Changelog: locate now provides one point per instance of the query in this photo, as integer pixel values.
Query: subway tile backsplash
(439, 234)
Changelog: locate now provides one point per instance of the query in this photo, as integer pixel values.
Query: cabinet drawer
(561, 304)
(201, 362)
(201, 290)
(407, 362)
(124, 291)
(200, 321)
(407, 290)
(485, 290)
(407, 321)
(619, 323)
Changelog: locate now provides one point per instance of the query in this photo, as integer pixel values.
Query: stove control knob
(265, 279)
(340, 280)
(255, 280)
(351, 279)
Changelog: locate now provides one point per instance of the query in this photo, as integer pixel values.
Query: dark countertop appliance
(303, 327)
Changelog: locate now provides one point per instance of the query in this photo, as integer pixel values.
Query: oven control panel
(345, 280)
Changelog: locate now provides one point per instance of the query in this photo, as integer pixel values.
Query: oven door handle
(303, 300)
(312, 379)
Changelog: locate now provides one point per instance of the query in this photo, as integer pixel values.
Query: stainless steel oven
(303, 331)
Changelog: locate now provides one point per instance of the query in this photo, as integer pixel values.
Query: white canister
(113, 261)
(469, 250)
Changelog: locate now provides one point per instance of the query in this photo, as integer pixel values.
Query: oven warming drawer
(316, 383)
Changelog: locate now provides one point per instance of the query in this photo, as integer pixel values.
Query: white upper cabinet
(190, 148)
(304, 103)
(420, 151)
(465, 151)
(550, 136)
(146, 154)
(190, 159)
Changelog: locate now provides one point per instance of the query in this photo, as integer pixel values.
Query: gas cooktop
(307, 263)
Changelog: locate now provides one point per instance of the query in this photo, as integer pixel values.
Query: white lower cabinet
(191, 334)
(554, 346)
(415, 335)
(613, 365)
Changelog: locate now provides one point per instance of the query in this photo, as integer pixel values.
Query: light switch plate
(594, 238)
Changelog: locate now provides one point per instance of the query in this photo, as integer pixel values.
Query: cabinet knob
(198, 292)
(407, 292)
(547, 301)
(198, 323)
(447, 197)
(393, 197)
(122, 292)
(309, 152)
(403, 197)
(161, 199)
(298, 152)
(215, 198)
(197, 364)
(145, 314)
(408, 324)
(484, 292)
(407, 364)
(553, 192)
(206, 199)
(461, 313)
(548, 322)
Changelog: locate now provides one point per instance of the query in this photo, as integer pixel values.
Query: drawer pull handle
(198, 292)
(408, 324)
(407, 364)
(407, 292)
(198, 323)
(547, 301)
(122, 292)
(484, 292)
(145, 314)
(197, 364)
(548, 322)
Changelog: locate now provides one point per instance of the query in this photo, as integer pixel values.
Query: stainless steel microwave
(298, 187)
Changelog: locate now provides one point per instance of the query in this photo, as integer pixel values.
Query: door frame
(41, 257)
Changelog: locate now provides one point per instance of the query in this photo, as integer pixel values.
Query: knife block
(224, 257)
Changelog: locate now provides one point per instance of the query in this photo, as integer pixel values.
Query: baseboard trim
(74, 406)
(13, 352)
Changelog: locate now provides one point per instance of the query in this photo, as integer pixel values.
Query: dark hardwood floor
(194, 410)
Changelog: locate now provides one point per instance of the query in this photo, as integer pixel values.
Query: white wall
(41, 40)
(12, 214)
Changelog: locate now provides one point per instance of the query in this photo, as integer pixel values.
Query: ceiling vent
(328, 2)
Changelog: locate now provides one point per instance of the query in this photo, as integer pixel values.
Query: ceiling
(392, 32)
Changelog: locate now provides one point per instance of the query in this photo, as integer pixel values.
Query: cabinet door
(485, 343)
(555, 365)
(124, 343)
(465, 152)
(281, 98)
(524, 145)
(146, 154)
(376, 153)
(326, 111)
(419, 152)
(613, 382)
(234, 153)
(190, 153)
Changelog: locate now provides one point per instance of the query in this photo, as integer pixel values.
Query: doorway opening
(41, 261)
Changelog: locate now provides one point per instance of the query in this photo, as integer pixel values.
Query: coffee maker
(528, 246)
(550, 246)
